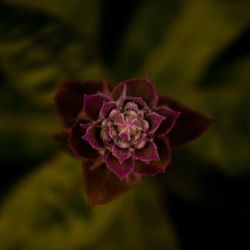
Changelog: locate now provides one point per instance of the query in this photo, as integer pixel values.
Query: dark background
(196, 51)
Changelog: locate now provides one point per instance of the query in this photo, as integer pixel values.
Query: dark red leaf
(190, 125)
(101, 185)
(69, 97)
(156, 167)
(140, 87)
(78, 145)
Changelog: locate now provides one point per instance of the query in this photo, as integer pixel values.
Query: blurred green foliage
(185, 47)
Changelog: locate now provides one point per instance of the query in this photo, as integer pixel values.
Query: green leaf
(145, 31)
(75, 13)
(199, 32)
(150, 219)
(38, 49)
(144, 223)
(227, 143)
(47, 210)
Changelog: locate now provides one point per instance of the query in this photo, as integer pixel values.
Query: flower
(123, 132)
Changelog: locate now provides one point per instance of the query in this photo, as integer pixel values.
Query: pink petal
(121, 170)
(92, 105)
(171, 117)
(155, 167)
(124, 135)
(120, 153)
(121, 99)
(92, 136)
(106, 108)
(148, 153)
(117, 117)
(154, 120)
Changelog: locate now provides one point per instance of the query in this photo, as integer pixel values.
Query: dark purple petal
(155, 167)
(68, 98)
(154, 120)
(166, 125)
(190, 125)
(79, 146)
(147, 153)
(106, 108)
(102, 186)
(121, 170)
(92, 105)
(121, 154)
(92, 136)
(140, 87)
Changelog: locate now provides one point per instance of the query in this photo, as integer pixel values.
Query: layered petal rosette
(123, 132)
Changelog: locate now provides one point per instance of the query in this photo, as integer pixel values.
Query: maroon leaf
(101, 185)
(121, 170)
(171, 117)
(190, 125)
(92, 105)
(140, 87)
(79, 146)
(69, 98)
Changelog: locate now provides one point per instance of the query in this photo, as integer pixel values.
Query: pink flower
(125, 131)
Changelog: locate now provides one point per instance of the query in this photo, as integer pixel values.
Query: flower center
(126, 128)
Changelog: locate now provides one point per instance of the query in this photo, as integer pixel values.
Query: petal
(171, 117)
(68, 98)
(156, 167)
(106, 108)
(137, 100)
(121, 170)
(154, 120)
(92, 136)
(190, 125)
(124, 135)
(101, 185)
(140, 87)
(121, 154)
(117, 117)
(79, 146)
(141, 142)
(131, 106)
(147, 153)
(121, 99)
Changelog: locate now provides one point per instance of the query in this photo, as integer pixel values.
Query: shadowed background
(195, 51)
